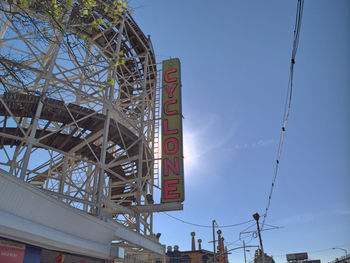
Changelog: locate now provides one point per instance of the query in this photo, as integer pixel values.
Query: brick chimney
(199, 244)
(193, 241)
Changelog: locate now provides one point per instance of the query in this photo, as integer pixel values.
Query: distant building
(344, 259)
(300, 258)
(197, 255)
(258, 257)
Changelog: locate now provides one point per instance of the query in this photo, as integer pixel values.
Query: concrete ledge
(29, 215)
(23, 230)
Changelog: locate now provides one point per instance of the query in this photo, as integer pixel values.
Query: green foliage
(56, 9)
(23, 3)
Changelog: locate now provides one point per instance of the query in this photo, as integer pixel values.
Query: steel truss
(77, 110)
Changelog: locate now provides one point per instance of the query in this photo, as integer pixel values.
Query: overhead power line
(297, 27)
(207, 226)
(243, 223)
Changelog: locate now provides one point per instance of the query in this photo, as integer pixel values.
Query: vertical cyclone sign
(172, 152)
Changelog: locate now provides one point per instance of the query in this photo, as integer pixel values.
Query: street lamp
(256, 216)
(346, 252)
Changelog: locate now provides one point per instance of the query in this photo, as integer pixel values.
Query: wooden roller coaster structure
(78, 109)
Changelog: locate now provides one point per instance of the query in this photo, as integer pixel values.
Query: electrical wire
(247, 228)
(300, 7)
(228, 244)
(206, 226)
(238, 224)
(186, 222)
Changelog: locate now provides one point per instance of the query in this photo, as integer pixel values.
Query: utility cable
(186, 222)
(206, 226)
(297, 27)
(238, 224)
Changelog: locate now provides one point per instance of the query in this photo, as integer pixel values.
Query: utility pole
(245, 258)
(214, 241)
(256, 217)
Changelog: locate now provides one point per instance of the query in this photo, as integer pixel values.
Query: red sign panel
(11, 252)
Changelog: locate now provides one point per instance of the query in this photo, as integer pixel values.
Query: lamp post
(256, 217)
(346, 252)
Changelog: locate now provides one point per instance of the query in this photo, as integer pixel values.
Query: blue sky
(235, 59)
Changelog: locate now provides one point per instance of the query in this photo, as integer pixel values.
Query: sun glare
(190, 149)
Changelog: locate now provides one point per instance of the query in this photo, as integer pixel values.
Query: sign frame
(172, 171)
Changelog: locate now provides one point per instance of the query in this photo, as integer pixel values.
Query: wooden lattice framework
(78, 110)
